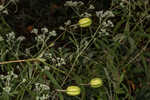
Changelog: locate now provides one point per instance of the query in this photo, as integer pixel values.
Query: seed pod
(96, 82)
(73, 90)
(85, 22)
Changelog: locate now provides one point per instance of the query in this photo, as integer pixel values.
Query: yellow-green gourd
(73, 90)
(96, 82)
(85, 22)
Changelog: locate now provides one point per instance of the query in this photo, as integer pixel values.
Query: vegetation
(74, 50)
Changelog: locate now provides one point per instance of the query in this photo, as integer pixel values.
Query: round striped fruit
(96, 82)
(85, 22)
(73, 90)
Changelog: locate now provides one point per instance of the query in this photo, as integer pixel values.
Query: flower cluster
(105, 21)
(91, 7)
(73, 4)
(7, 81)
(43, 97)
(10, 36)
(40, 89)
(46, 34)
(123, 3)
(85, 14)
(12, 40)
(1, 38)
(58, 61)
(44, 30)
(46, 68)
(101, 14)
(3, 10)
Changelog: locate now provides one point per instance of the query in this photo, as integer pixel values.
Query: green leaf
(56, 85)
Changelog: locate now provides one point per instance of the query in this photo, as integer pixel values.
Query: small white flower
(46, 68)
(109, 14)
(58, 58)
(37, 84)
(61, 59)
(15, 76)
(68, 22)
(105, 24)
(40, 37)
(70, 3)
(14, 0)
(61, 28)
(5, 12)
(21, 38)
(53, 33)
(122, 4)
(11, 35)
(80, 3)
(64, 63)
(34, 30)
(24, 80)
(53, 60)
(148, 16)
(7, 89)
(10, 73)
(50, 55)
(43, 97)
(102, 14)
(8, 77)
(86, 14)
(41, 87)
(44, 30)
(1, 38)
(73, 4)
(1, 7)
(47, 54)
(2, 77)
(103, 32)
(37, 98)
(44, 87)
(27, 52)
(99, 13)
(91, 7)
(110, 23)
(60, 49)
(58, 64)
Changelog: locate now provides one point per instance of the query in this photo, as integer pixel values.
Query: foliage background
(120, 58)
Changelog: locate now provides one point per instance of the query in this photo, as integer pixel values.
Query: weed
(41, 62)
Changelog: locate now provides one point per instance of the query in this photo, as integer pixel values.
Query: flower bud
(96, 82)
(85, 22)
(73, 90)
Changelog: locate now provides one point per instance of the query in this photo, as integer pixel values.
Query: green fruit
(85, 22)
(73, 90)
(96, 82)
